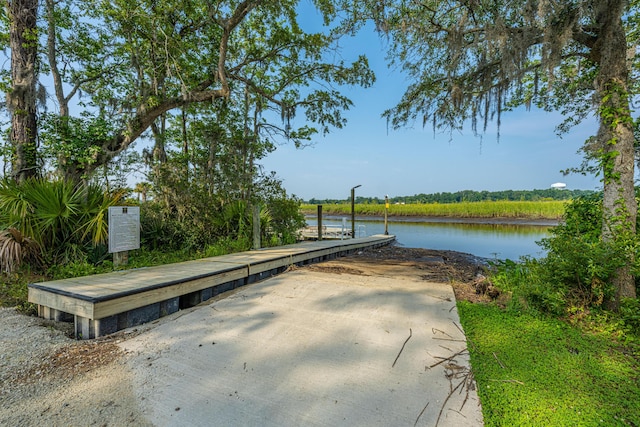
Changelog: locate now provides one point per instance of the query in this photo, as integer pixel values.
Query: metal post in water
(353, 211)
(386, 214)
(319, 222)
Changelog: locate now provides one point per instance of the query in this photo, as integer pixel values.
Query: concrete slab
(310, 349)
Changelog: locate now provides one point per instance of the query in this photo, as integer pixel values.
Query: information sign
(124, 228)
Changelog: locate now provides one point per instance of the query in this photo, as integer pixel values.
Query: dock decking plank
(94, 300)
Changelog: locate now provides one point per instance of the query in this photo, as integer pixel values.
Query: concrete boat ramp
(311, 347)
(318, 346)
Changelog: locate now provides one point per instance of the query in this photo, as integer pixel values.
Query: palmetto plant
(14, 248)
(59, 215)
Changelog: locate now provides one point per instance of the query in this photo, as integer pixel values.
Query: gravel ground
(48, 378)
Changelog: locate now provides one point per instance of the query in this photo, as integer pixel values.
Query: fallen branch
(467, 338)
(464, 380)
(459, 328)
(499, 362)
(450, 358)
(400, 352)
(420, 414)
(508, 381)
(434, 330)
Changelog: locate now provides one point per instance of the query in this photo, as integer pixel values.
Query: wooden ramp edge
(105, 303)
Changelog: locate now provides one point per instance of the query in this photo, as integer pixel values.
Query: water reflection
(501, 241)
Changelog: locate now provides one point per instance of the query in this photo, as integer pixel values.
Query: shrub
(66, 220)
(286, 220)
(630, 314)
(577, 271)
(14, 248)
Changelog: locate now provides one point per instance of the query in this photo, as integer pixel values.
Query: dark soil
(464, 272)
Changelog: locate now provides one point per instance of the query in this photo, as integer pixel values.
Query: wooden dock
(105, 303)
(328, 233)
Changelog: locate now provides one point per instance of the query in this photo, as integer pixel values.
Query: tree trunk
(617, 141)
(22, 98)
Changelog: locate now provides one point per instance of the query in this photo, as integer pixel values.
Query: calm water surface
(503, 241)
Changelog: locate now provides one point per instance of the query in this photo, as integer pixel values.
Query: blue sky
(529, 155)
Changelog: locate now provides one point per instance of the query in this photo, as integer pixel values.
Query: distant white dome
(559, 185)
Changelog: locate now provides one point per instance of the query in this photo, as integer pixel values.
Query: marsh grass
(535, 370)
(488, 209)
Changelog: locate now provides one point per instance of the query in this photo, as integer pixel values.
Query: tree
(470, 60)
(174, 54)
(22, 95)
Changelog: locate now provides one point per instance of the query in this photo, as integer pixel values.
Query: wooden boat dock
(105, 303)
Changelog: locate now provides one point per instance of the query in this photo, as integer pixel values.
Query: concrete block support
(206, 294)
(169, 306)
(139, 316)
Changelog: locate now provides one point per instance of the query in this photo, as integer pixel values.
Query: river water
(502, 241)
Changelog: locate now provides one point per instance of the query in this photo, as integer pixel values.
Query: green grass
(554, 374)
(500, 209)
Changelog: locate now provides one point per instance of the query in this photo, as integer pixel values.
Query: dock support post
(120, 258)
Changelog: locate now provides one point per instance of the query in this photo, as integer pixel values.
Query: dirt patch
(464, 272)
(336, 269)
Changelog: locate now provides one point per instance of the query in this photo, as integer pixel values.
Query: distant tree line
(469, 196)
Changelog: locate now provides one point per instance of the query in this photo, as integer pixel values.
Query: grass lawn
(540, 371)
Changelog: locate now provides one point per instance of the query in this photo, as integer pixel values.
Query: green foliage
(535, 370)
(65, 220)
(286, 220)
(162, 228)
(577, 271)
(630, 315)
(528, 289)
(14, 292)
(77, 268)
(470, 196)
(73, 142)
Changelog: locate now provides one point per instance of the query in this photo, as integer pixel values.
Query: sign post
(124, 232)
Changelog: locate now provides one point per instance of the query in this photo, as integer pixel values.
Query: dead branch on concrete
(420, 414)
(466, 338)
(400, 352)
(447, 339)
(444, 359)
(459, 328)
(434, 330)
(464, 380)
